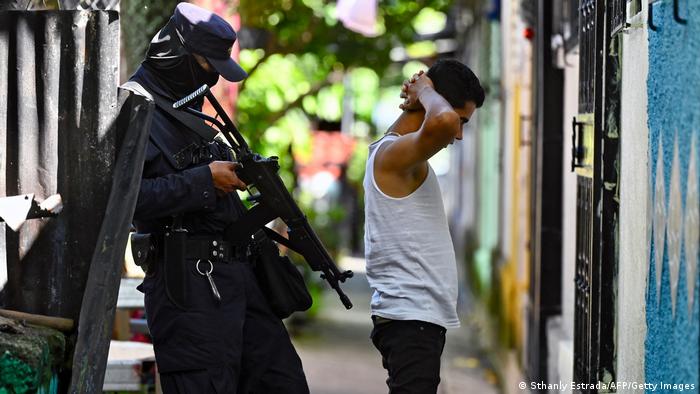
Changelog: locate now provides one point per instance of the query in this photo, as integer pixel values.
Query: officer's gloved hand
(224, 176)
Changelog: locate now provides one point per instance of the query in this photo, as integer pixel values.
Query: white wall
(560, 329)
(514, 229)
(568, 255)
(509, 26)
(634, 143)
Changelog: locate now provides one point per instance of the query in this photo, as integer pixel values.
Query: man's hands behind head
(411, 89)
(224, 176)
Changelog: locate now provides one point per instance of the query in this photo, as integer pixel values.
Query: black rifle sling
(275, 236)
(190, 121)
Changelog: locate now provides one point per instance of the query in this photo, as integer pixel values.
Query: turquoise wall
(672, 344)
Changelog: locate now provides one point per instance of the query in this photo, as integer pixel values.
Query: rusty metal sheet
(59, 75)
(102, 288)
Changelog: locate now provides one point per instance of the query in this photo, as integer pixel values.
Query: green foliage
(365, 89)
(429, 21)
(140, 21)
(356, 167)
(310, 26)
(277, 85)
(323, 50)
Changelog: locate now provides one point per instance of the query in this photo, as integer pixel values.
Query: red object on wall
(330, 151)
(224, 91)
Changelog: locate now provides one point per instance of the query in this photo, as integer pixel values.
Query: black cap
(209, 35)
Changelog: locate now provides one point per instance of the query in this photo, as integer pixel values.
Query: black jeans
(411, 353)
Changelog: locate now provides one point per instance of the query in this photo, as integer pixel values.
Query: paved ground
(339, 358)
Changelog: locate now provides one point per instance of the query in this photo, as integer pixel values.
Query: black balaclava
(170, 69)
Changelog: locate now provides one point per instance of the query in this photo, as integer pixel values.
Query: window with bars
(584, 349)
(594, 347)
(618, 19)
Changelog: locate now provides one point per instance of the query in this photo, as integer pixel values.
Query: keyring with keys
(208, 273)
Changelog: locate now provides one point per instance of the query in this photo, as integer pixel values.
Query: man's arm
(440, 127)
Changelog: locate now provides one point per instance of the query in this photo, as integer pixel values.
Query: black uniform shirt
(177, 180)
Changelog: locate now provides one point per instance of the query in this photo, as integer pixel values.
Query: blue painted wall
(672, 344)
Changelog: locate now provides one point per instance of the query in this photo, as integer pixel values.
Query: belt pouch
(142, 251)
(278, 278)
(174, 266)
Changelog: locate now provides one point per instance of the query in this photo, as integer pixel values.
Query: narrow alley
(339, 357)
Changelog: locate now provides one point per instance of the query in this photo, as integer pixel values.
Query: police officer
(212, 329)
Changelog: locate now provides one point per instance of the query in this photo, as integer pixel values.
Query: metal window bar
(583, 279)
(587, 37)
(618, 17)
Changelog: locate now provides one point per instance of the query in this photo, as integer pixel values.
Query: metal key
(214, 289)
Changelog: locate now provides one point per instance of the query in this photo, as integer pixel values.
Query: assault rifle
(272, 200)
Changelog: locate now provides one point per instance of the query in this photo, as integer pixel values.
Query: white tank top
(410, 258)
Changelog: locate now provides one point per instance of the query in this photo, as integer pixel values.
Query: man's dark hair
(456, 83)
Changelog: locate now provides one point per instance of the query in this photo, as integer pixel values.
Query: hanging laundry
(359, 16)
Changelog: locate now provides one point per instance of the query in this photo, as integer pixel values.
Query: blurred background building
(580, 221)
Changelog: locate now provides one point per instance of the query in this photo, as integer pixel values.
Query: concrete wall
(461, 200)
(673, 322)
(634, 192)
(568, 252)
(474, 163)
(514, 207)
(488, 175)
(509, 56)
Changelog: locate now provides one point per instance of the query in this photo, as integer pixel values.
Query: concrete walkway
(339, 357)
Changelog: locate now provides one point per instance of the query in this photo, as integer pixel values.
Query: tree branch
(255, 67)
(274, 48)
(275, 116)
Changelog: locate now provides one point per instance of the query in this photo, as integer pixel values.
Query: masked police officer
(212, 329)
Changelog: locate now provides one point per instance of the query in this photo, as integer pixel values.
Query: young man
(410, 259)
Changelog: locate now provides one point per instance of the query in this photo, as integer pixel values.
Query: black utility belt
(214, 250)
(145, 248)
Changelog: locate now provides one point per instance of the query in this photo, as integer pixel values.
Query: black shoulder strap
(190, 121)
(277, 237)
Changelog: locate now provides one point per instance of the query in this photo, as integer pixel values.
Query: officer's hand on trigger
(224, 176)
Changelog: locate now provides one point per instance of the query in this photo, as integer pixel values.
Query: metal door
(544, 299)
(593, 158)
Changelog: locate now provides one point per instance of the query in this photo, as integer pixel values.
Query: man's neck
(407, 122)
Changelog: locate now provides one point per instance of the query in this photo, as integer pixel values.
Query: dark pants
(236, 346)
(411, 353)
